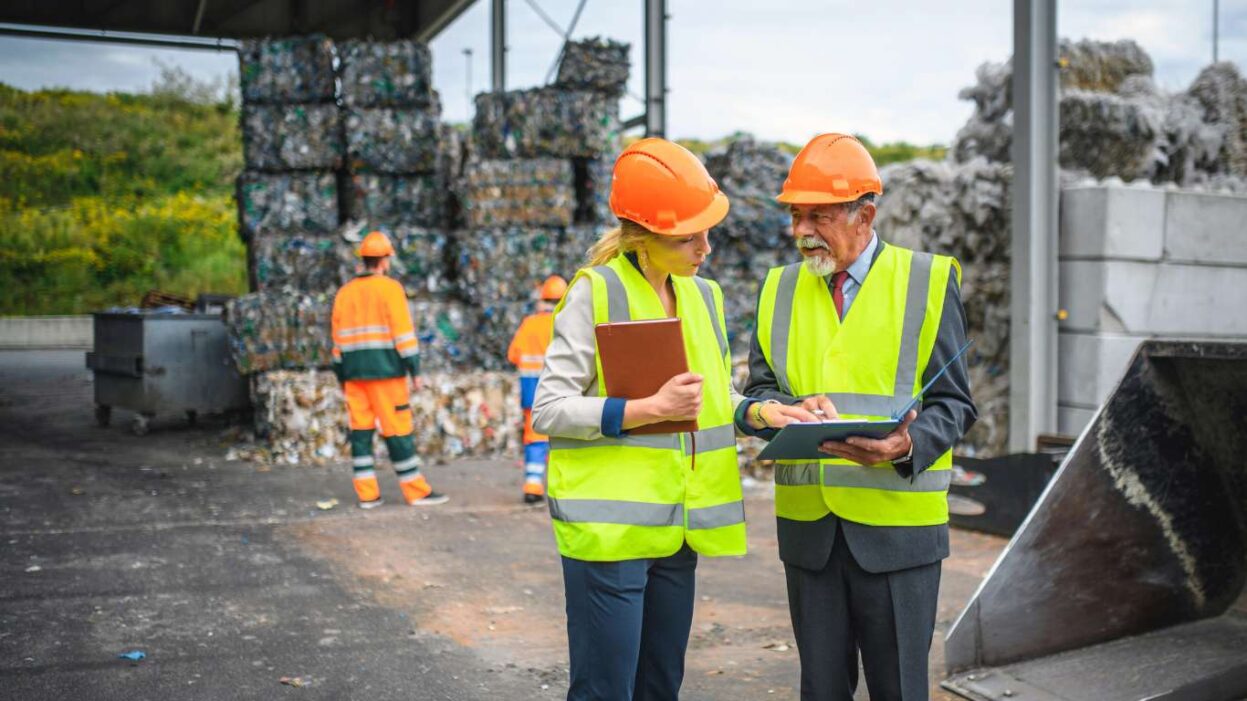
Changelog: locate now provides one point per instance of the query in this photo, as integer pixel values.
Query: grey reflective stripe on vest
(803, 474)
(708, 439)
(911, 328)
(616, 295)
(885, 478)
(781, 324)
(907, 358)
(718, 516)
(708, 295)
(806, 475)
(716, 438)
(627, 513)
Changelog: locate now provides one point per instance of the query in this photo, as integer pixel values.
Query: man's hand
(821, 407)
(872, 451)
(780, 415)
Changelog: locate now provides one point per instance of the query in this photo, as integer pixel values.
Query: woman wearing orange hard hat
(632, 513)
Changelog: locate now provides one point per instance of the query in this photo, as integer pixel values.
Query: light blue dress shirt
(857, 272)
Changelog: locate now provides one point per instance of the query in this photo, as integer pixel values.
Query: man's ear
(866, 215)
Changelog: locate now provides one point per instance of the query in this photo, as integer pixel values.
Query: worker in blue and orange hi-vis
(528, 354)
(374, 349)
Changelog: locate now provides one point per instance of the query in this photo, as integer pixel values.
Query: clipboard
(638, 357)
(800, 440)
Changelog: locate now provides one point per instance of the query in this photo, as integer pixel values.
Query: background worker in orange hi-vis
(374, 349)
(528, 353)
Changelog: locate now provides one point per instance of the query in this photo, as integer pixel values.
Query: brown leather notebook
(638, 357)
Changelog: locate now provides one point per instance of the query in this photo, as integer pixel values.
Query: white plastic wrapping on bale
(301, 417)
(292, 137)
(293, 202)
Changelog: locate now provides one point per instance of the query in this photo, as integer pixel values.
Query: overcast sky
(781, 69)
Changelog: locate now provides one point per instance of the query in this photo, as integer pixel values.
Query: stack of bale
(1115, 125)
(386, 164)
(535, 188)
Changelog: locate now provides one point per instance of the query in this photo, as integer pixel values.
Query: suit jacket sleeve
(947, 411)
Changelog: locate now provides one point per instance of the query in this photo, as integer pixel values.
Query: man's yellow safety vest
(642, 496)
(870, 365)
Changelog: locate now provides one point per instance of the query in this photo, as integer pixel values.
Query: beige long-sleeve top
(566, 404)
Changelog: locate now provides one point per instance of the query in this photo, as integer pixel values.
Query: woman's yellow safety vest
(642, 496)
(870, 365)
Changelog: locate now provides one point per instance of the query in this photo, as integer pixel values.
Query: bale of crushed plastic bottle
(545, 122)
(385, 73)
(520, 192)
(292, 137)
(596, 64)
(392, 139)
(293, 202)
(286, 70)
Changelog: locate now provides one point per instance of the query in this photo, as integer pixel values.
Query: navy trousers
(627, 626)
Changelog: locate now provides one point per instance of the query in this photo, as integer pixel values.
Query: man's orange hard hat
(553, 289)
(663, 187)
(376, 245)
(831, 168)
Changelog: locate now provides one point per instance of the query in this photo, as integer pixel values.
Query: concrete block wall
(20, 332)
(1138, 263)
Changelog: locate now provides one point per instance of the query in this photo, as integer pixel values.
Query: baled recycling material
(392, 139)
(507, 264)
(417, 200)
(520, 192)
(294, 202)
(280, 329)
(307, 263)
(301, 416)
(597, 64)
(385, 73)
(287, 70)
(545, 122)
(292, 137)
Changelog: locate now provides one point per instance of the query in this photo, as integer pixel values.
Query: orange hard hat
(376, 245)
(831, 168)
(553, 289)
(663, 187)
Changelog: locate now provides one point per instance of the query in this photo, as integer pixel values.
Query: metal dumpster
(1126, 580)
(157, 363)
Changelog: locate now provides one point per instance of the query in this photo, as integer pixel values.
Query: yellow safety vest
(642, 496)
(870, 365)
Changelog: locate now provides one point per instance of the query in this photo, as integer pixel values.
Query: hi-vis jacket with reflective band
(528, 352)
(373, 337)
(640, 496)
(870, 365)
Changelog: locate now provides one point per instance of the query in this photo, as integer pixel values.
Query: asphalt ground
(229, 578)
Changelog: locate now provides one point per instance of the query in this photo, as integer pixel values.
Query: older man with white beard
(855, 330)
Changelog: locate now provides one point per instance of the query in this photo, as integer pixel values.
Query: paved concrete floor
(229, 578)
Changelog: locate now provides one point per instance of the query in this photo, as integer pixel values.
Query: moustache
(812, 242)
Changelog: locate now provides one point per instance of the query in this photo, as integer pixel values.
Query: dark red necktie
(837, 291)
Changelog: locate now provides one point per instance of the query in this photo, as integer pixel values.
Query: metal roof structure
(229, 19)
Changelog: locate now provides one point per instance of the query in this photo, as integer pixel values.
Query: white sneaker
(371, 504)
(430, 499)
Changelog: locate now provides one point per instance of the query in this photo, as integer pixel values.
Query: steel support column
(1033, 323)
(498, 45)
(656, 67)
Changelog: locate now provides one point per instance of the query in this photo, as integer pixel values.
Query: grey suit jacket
(947, 413)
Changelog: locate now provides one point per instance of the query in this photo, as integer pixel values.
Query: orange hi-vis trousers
(385, 403)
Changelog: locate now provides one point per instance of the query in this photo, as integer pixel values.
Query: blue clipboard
(800, 441)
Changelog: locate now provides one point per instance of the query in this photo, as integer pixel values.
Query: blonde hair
(629, 236)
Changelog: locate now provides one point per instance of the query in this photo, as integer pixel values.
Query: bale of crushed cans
(385, 73)
(302, 201)
(393, 139)
(286, 70)
(418, 200)
(595, 64)
(296, 261)
(280, 329)
(545, 122)
(519, 192)
(292, 137)
(301, 417)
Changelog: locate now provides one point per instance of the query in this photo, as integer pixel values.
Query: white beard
(821, 266)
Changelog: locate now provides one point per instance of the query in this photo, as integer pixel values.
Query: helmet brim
(815, 197)
(709, 217)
